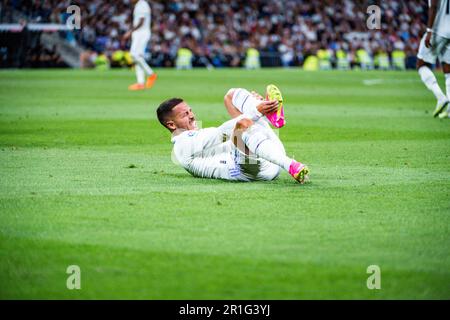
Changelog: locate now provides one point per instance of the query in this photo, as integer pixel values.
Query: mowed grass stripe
(185, 276)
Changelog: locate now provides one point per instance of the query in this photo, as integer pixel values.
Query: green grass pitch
(87, 180)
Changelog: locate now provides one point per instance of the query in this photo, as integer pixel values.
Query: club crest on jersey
(191, 133)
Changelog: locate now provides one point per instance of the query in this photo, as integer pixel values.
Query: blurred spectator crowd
(219, 33)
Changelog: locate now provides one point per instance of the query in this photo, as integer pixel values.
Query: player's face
(183, 117)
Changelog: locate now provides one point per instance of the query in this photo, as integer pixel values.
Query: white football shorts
(440, 49)
(139, 43)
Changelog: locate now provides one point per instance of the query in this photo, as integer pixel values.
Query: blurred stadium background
(294, 33)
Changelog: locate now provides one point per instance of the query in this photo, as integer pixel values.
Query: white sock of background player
(142, 68)
(140, 74)
(447, 84)
(429, 79)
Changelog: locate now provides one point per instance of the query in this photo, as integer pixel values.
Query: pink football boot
(299, 171)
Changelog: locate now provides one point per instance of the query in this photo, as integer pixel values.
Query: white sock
(268, 150)
(140, 74)
(246, 103)
(260, 144)
(431, 83)
(447, 84)
(139, 60)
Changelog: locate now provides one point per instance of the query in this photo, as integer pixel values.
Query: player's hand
(243, 124)
(428, 40)
(267, 107)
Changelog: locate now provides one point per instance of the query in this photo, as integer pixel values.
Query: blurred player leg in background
(143, 70)
(446, 68)
(430, 81)
(445, 58)
(427, 57)
(435, 45)
(140, 36)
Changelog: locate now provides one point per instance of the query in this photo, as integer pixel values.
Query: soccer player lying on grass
(242, 149)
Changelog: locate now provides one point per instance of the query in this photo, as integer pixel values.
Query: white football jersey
(442, 21)
(142, 10)
(205, 153)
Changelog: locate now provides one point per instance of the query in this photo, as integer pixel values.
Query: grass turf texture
(86, 179)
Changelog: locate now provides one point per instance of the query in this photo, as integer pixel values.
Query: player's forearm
(228, 126)
(232, 110)
(211, 138)
(140, 24)
(225, 129)
(432, 14)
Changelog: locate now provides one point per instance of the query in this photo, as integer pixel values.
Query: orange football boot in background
(150, 81)
(136, 86)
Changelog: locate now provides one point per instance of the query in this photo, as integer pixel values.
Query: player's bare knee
(229, 94)
(420, 63)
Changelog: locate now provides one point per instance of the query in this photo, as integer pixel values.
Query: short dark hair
(165, 109)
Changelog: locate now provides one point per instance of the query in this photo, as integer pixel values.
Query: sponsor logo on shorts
(234, 172)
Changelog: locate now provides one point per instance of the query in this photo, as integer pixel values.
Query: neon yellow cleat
(444, 115)
(276, 118)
